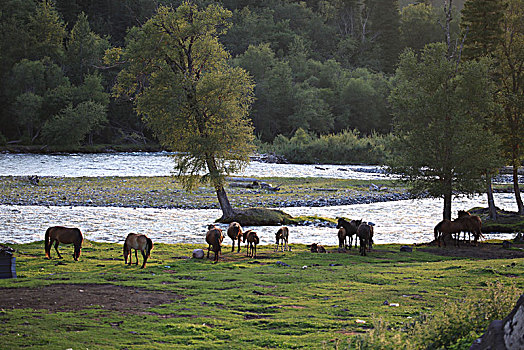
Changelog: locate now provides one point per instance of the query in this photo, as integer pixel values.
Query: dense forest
(321, 67)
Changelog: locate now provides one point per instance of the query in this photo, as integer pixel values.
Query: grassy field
(290, 300)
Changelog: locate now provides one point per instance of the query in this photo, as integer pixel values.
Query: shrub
(456, 326)
(347, 147)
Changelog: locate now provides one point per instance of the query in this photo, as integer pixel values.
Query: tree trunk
(520, 206)
(447, 205)
(491, 200)
(227, 209)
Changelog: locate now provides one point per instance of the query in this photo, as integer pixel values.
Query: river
(407, 221)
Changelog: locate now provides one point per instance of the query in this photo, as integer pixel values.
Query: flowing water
(408, 221)
(159, 164)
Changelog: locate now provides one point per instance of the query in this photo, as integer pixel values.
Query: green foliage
(419, 26)
(455, 326)
(443, 144)
(71, 126)
(347, 147)
(188, 94)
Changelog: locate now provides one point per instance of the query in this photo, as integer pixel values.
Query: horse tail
(436, 230)
(47, 245)
(125, 248)
(149, 246)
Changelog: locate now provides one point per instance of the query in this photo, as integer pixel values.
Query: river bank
(167, 193)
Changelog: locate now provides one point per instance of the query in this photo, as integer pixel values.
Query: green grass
(243, 303)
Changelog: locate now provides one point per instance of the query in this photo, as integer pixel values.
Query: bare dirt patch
(481, 251)
(73, 297)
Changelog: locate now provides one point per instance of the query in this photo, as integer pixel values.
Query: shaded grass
(244, 303)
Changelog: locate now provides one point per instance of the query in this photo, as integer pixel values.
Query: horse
(341, 238)
(137, 242)
(448, 228)
(472, 224)
(282, 235)
(214, 238)
(234, 231)
(252, 240)
(66, 235)
(317, 248)
(365, 236)
(351, 229)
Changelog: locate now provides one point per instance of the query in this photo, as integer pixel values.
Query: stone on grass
(198, 253)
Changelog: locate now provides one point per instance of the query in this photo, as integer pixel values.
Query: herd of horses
(347, 231)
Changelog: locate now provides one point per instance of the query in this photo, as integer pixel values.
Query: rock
(198, 253)
(406, 248)
(506, 334)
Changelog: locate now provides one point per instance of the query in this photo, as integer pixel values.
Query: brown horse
(365, 236)
(282, 235)
(214, 238)
(137, 242)
(446, 228)
(66, 235)
(234, 231)
(317, 248)
(252, 240)
(472, 224)
(351, 229)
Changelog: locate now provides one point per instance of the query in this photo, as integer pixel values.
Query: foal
(282, 235)
(252, 240)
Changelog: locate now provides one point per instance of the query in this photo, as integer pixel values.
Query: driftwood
(255, 185)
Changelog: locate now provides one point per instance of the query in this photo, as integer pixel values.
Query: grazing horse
(252, 240)
(59, 234)
(282, 235)
(137, 242)
(351, 229)
(234, 231)
(214, 238)
(472, 224)
(365, 235)
(447, 228)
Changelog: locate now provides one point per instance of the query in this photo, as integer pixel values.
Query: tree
(440, 107)
(419, 26)
(197, 104)
(84, 50)
(481, 21)
(510, 71)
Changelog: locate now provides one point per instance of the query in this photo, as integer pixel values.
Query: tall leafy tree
(385, 25)
(440, 109)
(197, 104)
(481, 22)
(510, 72)
(84, 50)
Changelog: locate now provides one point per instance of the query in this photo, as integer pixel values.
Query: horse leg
(144, 256)
(238, 244)
(233, 247)
(255, 254)
(136, 256)
(56, 248)
(208, 248)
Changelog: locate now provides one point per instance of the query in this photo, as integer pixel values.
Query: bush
(347, 147)
(456, 326)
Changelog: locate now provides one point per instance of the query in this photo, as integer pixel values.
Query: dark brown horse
(365, 236)
(137, 242)
(66, 235)
(472, 224)
(351, 229)
(446, 228)
(214, 238)
(234, 231)
(282, 235)
(252, 240)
